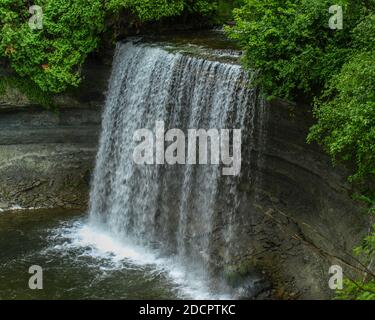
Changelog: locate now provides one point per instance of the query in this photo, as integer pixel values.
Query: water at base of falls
(103, 245)
(81, 262)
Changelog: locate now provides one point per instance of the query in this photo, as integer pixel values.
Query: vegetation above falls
(288, 42)
(52, 56)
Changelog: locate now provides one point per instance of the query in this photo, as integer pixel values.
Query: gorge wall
(46, 156)
(293, 215)
(297, 217)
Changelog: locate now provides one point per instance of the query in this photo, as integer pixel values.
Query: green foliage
(27, 87)
(53, 57)
(225, 10)
(363, 289)
(147, 10)
(357, 290)
(346, 108)
(367, 249)
(346, 123)
(289, 44)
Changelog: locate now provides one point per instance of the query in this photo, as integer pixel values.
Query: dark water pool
(74, 268)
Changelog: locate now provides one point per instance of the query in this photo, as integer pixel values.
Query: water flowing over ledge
(183, 212)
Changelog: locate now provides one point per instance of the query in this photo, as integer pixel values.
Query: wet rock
(45, 155)
(254, 288)
(4, 205)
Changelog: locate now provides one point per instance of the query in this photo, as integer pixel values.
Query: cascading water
(185, 212)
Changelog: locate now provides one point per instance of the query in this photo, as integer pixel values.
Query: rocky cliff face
(46, 157)
(296, 217)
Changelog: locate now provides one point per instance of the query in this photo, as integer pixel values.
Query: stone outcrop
(47, 156)
(297, 217)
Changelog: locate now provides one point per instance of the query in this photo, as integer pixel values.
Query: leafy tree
(290, 42)
(53, 56)
(346, 123)
(295, 55)
(157, 9)
(148, 9)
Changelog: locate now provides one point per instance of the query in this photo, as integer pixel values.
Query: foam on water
(99, 244)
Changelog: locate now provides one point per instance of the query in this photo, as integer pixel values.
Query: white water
(162, 215)
(100, 245)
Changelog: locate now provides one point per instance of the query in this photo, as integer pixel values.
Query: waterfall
(183, 211)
